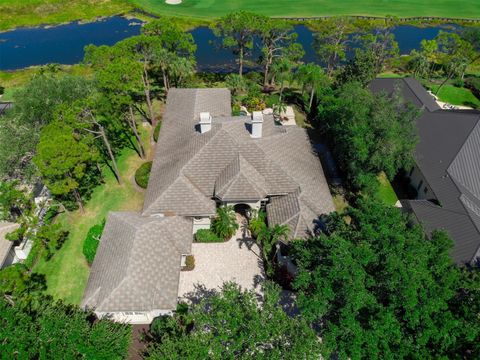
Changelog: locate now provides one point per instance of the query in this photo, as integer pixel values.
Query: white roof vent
(205, 122)
(257, 123)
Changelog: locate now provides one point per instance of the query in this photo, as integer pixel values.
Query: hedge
(142, 174)
(92, 241)
(207, 236)
(156, 132)
(474, 85)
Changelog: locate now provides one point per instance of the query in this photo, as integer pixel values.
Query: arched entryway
(243, 209)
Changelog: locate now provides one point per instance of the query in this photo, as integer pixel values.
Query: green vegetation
(92, 241)
(44, 329)
(207, 236)
(380, 288)
(456, 96)
(385, 190)
(38, 12)
(156, 132)
(245, 328)
(67, 272)
(224, 225)
(211, 9)
(143, 174)
(189, 263)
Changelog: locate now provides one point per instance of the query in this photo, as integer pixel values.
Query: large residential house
(204, 158)
(446, 174)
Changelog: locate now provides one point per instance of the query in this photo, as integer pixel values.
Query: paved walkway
(235, 260)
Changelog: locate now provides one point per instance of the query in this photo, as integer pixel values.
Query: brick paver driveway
(215, 263)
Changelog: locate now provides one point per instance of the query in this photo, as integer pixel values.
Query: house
(446, 174)
(8, 255)
(204, 158)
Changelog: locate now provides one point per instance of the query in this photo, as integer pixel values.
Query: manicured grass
(67, 271)
(385, 190)
(456, 96)
(209, 9)
(17, 13)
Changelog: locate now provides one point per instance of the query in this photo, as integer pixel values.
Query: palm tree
(268, 239)
(311, 76)
(282, 71)
(225, 223)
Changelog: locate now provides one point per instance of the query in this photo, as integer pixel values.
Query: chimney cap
(257, 116)
(205, 118)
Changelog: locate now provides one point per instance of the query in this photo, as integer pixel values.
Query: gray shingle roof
(226, 162)
(448, 155)
(137, 265)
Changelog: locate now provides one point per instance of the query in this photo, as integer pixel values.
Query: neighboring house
(7, 251)
(205, 158)
(446, 174)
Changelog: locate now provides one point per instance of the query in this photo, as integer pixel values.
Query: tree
(268, 238)
(311, 77)
(64, 160)
(51, 237)
(233, 324)
(282, 71)
(330, 42)
(379, 288)
(225, 223)
(119, 81)
(381, 46)
(369, 133)
(237, 30)
(455, 54)
(34, 108)
(171, 37)
(278, 40)
(14, 202)
(41, 328)
(235, 83)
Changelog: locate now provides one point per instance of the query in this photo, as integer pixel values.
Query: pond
(64, 44)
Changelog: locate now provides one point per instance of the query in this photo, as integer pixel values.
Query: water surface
(64, 44)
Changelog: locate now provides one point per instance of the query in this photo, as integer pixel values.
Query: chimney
(205, 122)
(257, 122)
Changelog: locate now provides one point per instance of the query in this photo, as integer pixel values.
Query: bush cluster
(156, 132)
(207, 236)
(92, 241)
(189, 263)
(142, 174)
(474, 85)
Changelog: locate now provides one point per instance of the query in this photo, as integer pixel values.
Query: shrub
(474, 85)
(207, 236)
(225, 223)
(156, 131)
(257, 222)
(254, 103)
(92, 241)
(272, 100)
(142, 174)
(458, 83)
(189, 263)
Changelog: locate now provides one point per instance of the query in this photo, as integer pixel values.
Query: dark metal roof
(448, 155)
(410, 89)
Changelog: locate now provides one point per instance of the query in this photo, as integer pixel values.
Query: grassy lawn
(456, 96)
(17, 13)
(208, 9)
(385, 190)
(67, 271)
